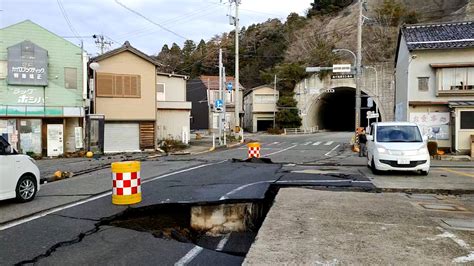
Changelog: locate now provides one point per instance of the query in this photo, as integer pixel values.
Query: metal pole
(376, 89)
(220, 96)
(237, 84)
(358, 67)
(275, 100)
(224, 109)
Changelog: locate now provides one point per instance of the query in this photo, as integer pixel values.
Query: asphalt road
(65, 224)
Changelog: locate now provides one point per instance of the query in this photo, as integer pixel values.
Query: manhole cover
(441, 207)
(463, 224)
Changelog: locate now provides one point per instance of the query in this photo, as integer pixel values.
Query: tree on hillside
(324, 7)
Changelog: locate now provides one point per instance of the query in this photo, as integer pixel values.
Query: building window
(70, 78)
(423, 83)
(467, 119)
(457, 78)
(160, 92)
(118, 85)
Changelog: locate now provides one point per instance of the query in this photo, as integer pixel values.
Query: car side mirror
(370, 137)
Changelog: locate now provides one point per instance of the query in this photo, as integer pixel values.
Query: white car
(397, 146)
(19, 175)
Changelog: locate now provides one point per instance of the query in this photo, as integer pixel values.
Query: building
(203, 93)
(42, 90)
(126, 96)
(260, 108)
(435, 81)
(173, 111)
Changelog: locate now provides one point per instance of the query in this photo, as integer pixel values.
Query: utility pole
(237, 83)
(220, 95)
(224, 96)
(101, 43)
(358, 67)
(275, 100)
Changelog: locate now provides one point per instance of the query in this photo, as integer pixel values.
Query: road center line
(222, 243)
(291, 147)
(189, 256)
(457, 172)
(329, 152)
(80, 202)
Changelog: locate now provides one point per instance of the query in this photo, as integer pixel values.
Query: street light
(346, 50)
(376, 89)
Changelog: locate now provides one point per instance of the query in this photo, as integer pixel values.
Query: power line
(64, 13)
(149, 20)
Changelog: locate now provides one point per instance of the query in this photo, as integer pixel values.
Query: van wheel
(424, 173)
(374, 169)
(26, 188)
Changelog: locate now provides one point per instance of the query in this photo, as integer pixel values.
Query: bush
(275, 131)
(171, 145)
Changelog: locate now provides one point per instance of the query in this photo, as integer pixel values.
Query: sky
(181, 19)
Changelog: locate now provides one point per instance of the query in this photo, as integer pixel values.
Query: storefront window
(9, 132)
(30, 136)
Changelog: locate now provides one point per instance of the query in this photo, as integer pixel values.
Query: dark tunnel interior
(336, 110)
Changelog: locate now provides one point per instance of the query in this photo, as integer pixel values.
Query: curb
(425, 191)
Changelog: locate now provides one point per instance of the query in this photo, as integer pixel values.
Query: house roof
(439, 35)
(127, 47)
(461, 104)
(172, 75)
(247, 91)
(212, 82)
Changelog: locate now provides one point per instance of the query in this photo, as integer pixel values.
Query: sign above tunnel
(342, 76)
(341, 68)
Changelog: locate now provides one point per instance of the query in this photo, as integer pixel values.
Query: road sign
(342, 76)
(229, 86)
(369, 116)
(370, 102)
(218, 105)
(317, 69)
(341, 68)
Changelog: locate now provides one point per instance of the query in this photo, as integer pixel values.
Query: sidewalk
(306, 226)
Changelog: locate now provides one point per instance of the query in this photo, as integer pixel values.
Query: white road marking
(316, 143)
(226, 196)
(222, 243)
(189, 256)
(276, 142)
(329, 143)
(307, 143)
(463, 259)
(80, 202)
(291, 147)
(321, 181)
(329, 152)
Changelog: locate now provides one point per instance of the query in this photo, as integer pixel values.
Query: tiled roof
(462, 103)
(439, 36)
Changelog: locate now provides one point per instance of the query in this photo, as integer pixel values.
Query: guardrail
(296, 131)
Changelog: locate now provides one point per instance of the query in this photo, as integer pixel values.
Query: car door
(8, 173)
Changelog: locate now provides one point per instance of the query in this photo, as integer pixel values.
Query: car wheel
(26, 188)
(424, 173)
(374, 169)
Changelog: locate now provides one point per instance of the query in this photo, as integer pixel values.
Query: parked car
(19, 175)
(398, 146)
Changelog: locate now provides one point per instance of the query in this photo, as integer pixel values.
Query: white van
(19, 175)
(397, 146)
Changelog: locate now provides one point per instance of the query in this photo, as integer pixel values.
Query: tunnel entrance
(335, 110)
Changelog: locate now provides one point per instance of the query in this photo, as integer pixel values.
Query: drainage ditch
(229, 227)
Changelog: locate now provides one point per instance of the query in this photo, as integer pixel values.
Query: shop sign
(434, 125)
(27, 64)
(30, 96)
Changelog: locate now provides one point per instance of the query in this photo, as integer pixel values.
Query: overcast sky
(188, 19)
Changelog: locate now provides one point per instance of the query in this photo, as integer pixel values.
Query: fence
(296, 131)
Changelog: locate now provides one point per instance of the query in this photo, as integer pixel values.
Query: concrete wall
(248, 109)
(170, 123)
(401, 82)
(175, 87)
(264, 107)
(143, 108)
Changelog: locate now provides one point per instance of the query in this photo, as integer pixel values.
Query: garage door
(263, 125)
(121, 137)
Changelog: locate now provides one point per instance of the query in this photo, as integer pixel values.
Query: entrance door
(263, 125)
(55, 140)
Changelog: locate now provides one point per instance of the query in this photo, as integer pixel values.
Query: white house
(435, 81)
(260, 108)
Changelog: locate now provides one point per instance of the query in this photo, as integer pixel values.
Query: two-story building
(42, 90)
(173, 111)
(260, 108)
(140, 106)
(203, 93)
(435, 81)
